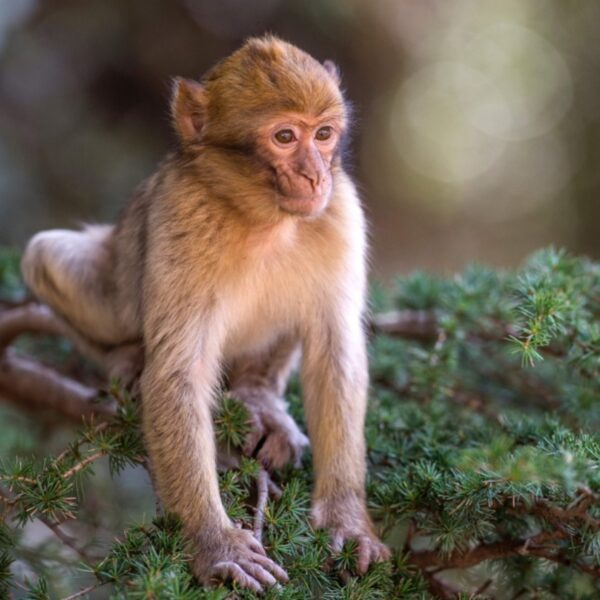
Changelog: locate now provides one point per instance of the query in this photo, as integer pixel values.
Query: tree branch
(422, 325)
(534, 546)
(28, 318)
(411, 324)
(29, 384)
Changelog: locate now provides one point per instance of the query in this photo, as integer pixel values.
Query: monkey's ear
(188, 109)
(333, 71)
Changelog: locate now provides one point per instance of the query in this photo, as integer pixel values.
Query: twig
(67, 540)
(81, 441)
(84, 463)
(261, 503)
(7, 500)
(484, 586)
(22, 479)
(83, 592)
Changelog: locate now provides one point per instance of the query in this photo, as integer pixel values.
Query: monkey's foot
(125, 363)
(236, 555)
(346, 518)
(282, 440)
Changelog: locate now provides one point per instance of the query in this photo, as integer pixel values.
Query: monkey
(243, 253)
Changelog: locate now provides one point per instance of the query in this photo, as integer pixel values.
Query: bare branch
(410, 324)
(534, 546)
(422, 325)
(83, 592)
(67, 540)
(30, 317)
(84, 463)
(28, 384)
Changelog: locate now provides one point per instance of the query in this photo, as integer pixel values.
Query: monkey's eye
(324, 133)
(285, 136)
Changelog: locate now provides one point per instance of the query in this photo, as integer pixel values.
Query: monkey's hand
(236, 555)
(346, 518)
(283, 440)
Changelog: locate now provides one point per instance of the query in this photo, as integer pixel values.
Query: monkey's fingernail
(345, 576)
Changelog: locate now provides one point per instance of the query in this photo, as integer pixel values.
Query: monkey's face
(299, 152)
(272, 116)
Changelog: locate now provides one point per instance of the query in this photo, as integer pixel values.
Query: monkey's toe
(274, 438)
(282, 447)
(254, 436)
(369, 551)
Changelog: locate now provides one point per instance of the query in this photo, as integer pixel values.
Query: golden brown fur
(238, 252)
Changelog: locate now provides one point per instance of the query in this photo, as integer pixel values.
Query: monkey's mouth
(303, 206)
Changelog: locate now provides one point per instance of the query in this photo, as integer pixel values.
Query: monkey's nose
(312, 176)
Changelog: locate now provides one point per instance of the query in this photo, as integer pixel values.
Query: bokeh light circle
(446, 119)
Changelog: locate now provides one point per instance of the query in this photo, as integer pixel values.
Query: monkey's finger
(272, 566)
(276, 451)
(256, 546)
(274, 490)
(253, 438)
(365, 548)
(337, 541)
(230, 570)
(299, 449)
(380, 553)
(257, 572)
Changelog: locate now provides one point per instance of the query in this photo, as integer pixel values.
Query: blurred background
(477, 133)
(477, 138)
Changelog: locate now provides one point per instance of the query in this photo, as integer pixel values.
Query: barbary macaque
(243, 250)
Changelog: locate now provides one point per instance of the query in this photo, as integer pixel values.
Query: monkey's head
(275, 113)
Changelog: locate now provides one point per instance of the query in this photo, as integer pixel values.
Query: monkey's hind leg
(259, 382)
(72, 272)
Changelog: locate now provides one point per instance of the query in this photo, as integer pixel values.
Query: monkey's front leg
(335, 380)
(177, 386)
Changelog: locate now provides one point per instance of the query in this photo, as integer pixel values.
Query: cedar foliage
(483, 451)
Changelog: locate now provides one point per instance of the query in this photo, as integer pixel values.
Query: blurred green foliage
(483, 438)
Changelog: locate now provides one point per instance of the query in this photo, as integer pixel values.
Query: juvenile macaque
(246, 247)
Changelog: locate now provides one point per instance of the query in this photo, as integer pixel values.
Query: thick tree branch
(411, 324)
(422, 325)
(28, 318)
(28, 384)
(540, 545)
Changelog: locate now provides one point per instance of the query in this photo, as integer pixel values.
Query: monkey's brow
(299, 118)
